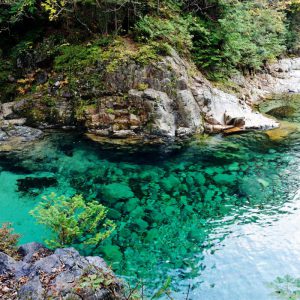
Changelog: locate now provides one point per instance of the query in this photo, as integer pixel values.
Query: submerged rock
(3, 136)
(62, 274)
(225, 179)
(282, 111)
(116, 191)
(285, 130)
(27, 183)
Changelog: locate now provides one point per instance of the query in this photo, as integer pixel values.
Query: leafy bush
(7, 89)
(293, 38)
(223, 35)
(75, 57)
(247, 34)
(173, 31)
(97, 280)
(12, 12)
(73, 221)
(8, 240)
(207, 50)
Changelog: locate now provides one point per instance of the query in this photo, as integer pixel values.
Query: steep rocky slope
(279, 78)
(168, 98)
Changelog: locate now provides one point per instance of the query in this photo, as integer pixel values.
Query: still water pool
(220, 216)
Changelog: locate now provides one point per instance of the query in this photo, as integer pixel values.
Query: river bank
(38, 273)
(176, 102)
(281, 77)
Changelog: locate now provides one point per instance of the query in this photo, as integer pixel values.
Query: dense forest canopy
(219, 35)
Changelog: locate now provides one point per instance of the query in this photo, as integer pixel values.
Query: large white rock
(222, 104)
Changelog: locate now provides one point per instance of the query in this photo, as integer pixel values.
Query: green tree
(13, 11)
(244, 36)
(293, 18)
(73, 221)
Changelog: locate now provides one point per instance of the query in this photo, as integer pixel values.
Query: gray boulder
(28, 250)
(62, 274)
(7, 264)
(33, 289)
(26, 133)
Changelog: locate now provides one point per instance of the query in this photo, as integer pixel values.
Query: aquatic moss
(112, 252)
(282, 111)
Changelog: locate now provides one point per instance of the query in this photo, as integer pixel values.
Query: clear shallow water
(220, 216)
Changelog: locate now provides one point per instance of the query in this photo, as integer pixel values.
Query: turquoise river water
(220, 216)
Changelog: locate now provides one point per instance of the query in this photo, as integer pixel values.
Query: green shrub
(73, 221)
(174, 31)
(247, 34)
(75, 57)
(142, 86)
(293, 38)
(26, 44)
(146, 54)
(8, 240)
(7, 89)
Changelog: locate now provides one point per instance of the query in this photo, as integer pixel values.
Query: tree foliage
(293, 24)
(73, 221)
(174, 31)
(13, 11)
(245, 36)
(223, 35)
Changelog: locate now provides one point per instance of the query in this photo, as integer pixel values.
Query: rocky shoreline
(165, 100)
(281, 77)
(40, 273)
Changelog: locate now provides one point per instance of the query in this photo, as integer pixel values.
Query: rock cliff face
(176, 101)
(13, 132)
(62, 274)
(279, 78)
(168, 99)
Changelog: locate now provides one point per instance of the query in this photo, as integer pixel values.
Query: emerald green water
(219, 216)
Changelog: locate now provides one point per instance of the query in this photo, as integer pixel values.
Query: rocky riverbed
(40, 273)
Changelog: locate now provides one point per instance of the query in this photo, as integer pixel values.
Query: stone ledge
(61, 274)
